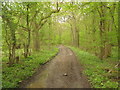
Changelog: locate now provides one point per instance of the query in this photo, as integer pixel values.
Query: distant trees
(75, 30)
(105, 27)
(73, 20)
(93, 26)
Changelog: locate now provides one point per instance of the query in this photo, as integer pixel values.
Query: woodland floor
(64, 71)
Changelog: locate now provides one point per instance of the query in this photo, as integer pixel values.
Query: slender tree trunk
(13, 47)
(49, 45)
(102, 30)
(36, 40)
(108, 45)
(118, 31)
(27, 45)
(72, 34)
(77, 37)
(76, 32)
(102, 42)
(59, 36)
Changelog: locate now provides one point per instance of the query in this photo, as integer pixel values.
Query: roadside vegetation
(12, 76)
(101, 74)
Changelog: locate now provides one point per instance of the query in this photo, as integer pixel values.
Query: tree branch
(42, 24)
(49, 15)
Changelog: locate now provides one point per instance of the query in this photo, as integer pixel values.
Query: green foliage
(95, 69)
(48, 28)
(12, 76)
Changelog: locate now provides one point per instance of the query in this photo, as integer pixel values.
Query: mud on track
(64, 71)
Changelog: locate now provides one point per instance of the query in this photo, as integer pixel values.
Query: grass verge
(101, 74)
(12, 76)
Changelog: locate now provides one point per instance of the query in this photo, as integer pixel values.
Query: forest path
(64, 71)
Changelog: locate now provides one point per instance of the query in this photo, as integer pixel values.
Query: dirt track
(64, 71)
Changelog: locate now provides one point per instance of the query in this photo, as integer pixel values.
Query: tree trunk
(27, 45)
(107, 50)
(118, 31)
(13, 47)
(76, 32)
(102, 30)
(36, 40)
(102, 48)
(72, 34)
(77, 37)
